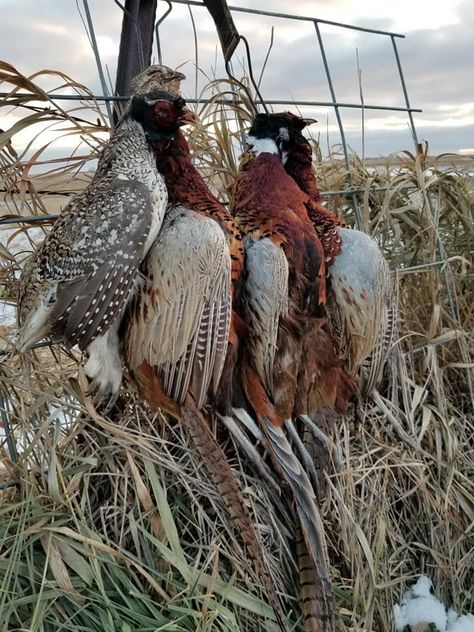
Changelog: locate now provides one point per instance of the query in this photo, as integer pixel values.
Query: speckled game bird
(87, 269)
(283, 305)
(361, 305)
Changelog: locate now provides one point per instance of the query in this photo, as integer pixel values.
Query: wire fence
(351, 192)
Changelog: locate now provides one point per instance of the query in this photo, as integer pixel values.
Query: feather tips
(180, 321)
(362, 306)
(265, 300)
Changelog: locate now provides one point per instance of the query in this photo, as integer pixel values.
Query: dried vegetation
(115, 526)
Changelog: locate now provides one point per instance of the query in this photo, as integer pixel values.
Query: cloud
(51, 35)
(436, 66)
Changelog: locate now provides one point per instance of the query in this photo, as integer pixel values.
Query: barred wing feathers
(265, 297)
(179, 322)
(92, 256)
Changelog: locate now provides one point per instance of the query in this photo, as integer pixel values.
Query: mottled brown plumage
(85, 272)
(298, 161)
(360, 296)
(270, 211)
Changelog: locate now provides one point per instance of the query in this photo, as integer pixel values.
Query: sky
(437, 56)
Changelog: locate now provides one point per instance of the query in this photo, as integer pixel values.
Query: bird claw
(104, 371)
(103, 396)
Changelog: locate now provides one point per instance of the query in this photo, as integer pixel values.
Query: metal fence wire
(350, 192)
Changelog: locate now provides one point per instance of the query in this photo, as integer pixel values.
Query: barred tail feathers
(229, 488)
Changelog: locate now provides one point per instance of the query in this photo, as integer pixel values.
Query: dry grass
(116, 526)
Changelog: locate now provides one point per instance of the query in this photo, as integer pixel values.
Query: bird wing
(362, 305)
(92, 257)
(265, 298)
(385, 310)
(29, 288)
(179, 322)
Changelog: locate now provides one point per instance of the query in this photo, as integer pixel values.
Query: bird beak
(308, 121)
(189, 118)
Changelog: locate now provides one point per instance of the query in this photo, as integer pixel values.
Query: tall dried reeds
(115, 525)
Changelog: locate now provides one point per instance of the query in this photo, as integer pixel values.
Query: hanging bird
(359, 331)
(180, 330)
(179, 325)
(87, 268)
(360, 303)
(283, 305)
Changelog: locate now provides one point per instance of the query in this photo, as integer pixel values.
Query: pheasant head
(157, 104)
(281, 129)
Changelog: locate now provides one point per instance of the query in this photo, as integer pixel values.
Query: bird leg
(104, 367)
(305, 456)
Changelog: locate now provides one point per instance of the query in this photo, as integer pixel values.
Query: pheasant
(361, 304)
(346, 353)
(87, 269)
(180, 329)
(283, 305)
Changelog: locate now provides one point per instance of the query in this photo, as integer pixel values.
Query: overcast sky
(437, 55)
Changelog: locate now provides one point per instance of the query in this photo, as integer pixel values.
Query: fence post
(136, 42)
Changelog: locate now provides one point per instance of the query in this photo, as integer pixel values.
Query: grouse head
(159, 78)
(157, 104)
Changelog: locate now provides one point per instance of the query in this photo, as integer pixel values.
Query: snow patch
(7, 314)
(418, 605)
(463, 623)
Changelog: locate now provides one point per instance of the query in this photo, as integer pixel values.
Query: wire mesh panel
(298, 68)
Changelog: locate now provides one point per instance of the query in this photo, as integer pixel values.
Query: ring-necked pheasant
(179, 329)
(77, 286)
(179, 325)
(361, 302)
(360, 306)
(283, 305)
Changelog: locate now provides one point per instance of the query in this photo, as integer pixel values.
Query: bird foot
(104, 370)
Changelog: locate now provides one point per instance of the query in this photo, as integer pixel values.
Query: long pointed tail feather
(250, 451)
(306, 505)
(318, 617)
(230, 490)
